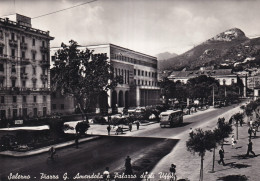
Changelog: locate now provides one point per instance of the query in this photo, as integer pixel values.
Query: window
(2, 99)
(25, 112)
(138, 72)
(43, 71)
(33, 55)
(138, 82)
(23, 54)
(1, 82)
(15, 113)
(53, 106)
(13, 69)
(23, 70)
(145, 82)
(33, 42)
(145, 73)
(134, 72)
(43, 43)
(116, 71)
(13, 52)
(23, 83)
(1, 34)
(24, 99)
(1, 67)
(43, 57)
(34, 70)
(224, 81)
(34, 98)
(23, 39)
(12, 36)
(1, 50)
(149, 74)
(128, 79)
(44, 111)
(14, 99)
(35, 112)
(53, 58)
(34, 84)
(142, 82)
(44, 98)
(62, 106)
(142, 73)
(13, 83)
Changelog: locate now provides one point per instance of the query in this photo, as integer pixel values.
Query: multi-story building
(139, 73)
(24, 69)
(224, 76)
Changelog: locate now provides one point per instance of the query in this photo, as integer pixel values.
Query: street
(94, 156)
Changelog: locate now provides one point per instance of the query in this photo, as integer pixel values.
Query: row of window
(54, 106)
(145, 73)
(132, 60)
(124, 73)
(13, 37)
(13, 54)
(24, 99)
(23, 69)
(145, 82)
(44, 83)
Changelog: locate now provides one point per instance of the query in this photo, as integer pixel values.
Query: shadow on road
(233, 178)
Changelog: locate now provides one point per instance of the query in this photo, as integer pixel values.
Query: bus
(171, 118)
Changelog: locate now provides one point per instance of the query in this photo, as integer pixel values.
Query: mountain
(230, 49)
(163, 59)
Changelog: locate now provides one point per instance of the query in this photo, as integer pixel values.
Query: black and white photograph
(129, 90)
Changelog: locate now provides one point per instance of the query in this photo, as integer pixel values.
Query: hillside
(230, 49)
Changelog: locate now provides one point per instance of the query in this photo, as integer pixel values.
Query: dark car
(8, 142)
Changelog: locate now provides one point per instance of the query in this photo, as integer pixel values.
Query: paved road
(94, 156)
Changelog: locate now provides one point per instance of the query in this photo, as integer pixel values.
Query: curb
(44, 149)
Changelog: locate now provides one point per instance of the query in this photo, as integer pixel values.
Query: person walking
(221, 155)
(137, 125)
(128, 166)
(130, 126)
(250, 148)
(108, 129)
(52, 152)
(173, 172)
(191, 133)
(250, 132)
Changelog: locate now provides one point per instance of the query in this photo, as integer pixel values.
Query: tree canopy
(82, 73)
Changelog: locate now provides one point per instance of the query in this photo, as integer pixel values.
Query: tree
(83, 74)
(225, 129)
(200, 143)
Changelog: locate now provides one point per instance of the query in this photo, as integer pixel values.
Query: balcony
(24, 76)
(3, 57)
(23, 45)
(44, 49)
(25, 61)
(45, 63)
(13, 43)
(44, 77)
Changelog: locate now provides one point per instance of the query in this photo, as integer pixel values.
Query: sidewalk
(44, 149)
(188, 165)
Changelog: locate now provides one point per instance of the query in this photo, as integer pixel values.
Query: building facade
(139, 73)
(24, 69)
(224, 76)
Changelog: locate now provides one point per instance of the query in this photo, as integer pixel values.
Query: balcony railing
(45, 63)
(24, 76)
(44, 77)
(43, 49)
(25, 60)
(13, 43)
(23, 45)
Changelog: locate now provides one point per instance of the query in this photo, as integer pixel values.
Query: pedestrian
(251, 123)
(230, 120)
(191, 133)
(128, 166)
(52, 152)
(130, 126)
(77, 141)
(233, 141)
(250, 148)
(137, 124)
(173, 172)
(221, 155)
(250, 132)
(254, 131)
(108, 129)
(241, 122)
(106, 174)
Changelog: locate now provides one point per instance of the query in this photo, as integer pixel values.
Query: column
(138, 92)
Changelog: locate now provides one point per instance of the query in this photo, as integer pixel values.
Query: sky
(146, 26)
